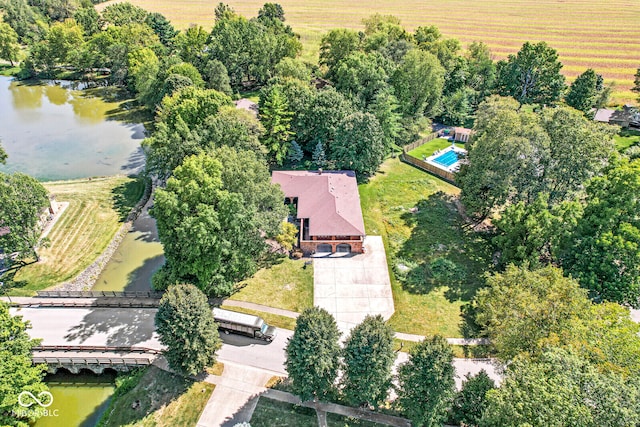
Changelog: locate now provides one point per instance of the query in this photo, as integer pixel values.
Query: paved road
(135, 327)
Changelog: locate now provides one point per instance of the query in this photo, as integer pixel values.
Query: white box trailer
(245, 324)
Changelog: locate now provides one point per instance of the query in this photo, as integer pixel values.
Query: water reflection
(53, 132)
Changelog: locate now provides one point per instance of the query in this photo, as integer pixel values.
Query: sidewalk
(235, 396)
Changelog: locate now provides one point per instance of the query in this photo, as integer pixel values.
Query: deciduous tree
(186, 327)
(336, 45)
(560, 389)
(418, 83)
(523, 311)
(313, 354)
(9, 47)
(425, 383)
(17, 372)
(120, 14)
(604, 252)
(583, 92)
(358, 144)
(532, 76)
(22, 200)
(470, 403)
(368, 358)
(209, 234)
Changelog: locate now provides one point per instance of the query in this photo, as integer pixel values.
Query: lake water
(52, 132)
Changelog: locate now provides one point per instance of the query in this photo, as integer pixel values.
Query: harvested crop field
(586, 33)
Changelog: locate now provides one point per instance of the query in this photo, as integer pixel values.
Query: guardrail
(124, 303)
(84, 361)
(100, 294)
(91, 348)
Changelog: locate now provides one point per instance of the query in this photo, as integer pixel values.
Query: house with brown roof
(327, 205)
(628, 116)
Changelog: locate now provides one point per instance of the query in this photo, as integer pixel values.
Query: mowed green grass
(97, 208)
(287, 285)
(431, 147)
(626, 139)
(435, 230)
(166, 400)
(586, 33)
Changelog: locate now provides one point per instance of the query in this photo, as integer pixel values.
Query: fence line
(421, 141)
(447, 176)
(100, 294)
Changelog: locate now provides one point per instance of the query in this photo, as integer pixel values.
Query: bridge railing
(100, 294)
(97, 348)
(85, 361)
(98, 302)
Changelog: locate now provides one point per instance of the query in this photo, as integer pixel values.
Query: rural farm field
(586, 33)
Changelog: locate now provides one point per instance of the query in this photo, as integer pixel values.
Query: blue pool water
(447, 159)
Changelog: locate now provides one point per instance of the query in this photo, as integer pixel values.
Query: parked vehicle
(244, 324)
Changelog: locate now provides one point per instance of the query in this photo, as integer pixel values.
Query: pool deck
(451, 168)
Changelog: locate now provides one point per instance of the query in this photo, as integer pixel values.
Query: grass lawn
(423, 306)
(165, 399)
(271, 413)
(97, 209)
(271, 319)
(431, 147)
(626, 138)
(287, 285)
(588, 35)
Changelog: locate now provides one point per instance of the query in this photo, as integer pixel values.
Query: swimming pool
(447, 159)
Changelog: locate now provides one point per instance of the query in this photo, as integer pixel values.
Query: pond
(78, 400)
(53, 132)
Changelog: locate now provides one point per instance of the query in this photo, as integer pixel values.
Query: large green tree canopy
(517, 154)
(604, 251)
(187, 328)
(17, 372)
(22, 200)
(209, 234)
(532, 76)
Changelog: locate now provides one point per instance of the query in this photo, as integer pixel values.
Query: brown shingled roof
(330, 200)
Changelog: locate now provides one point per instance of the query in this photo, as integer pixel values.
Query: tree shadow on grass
(442, 251)
(126, 195)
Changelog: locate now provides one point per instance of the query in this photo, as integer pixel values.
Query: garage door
(323, 248)
(343, 248)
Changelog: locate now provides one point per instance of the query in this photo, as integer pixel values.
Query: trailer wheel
(268, 339)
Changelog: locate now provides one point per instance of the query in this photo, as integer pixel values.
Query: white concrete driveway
(350, 287)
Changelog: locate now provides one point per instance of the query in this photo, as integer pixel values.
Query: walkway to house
(351, 287)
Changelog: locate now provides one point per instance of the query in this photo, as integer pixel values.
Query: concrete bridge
(93, 358)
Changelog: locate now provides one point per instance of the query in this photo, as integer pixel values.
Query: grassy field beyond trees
(603, 36)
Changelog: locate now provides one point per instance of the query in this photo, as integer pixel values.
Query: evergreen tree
(295, 154)
(318, 156)
(368, 358)
(313, 354)
(186, 327)
(425, 383)
(276, 119)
